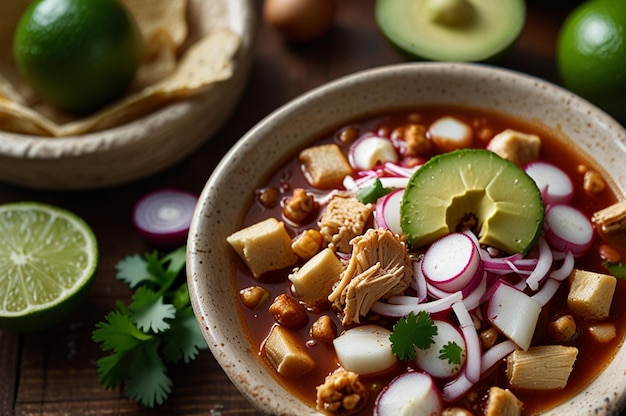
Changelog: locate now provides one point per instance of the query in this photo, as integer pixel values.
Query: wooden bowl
(212, 263)
(146, 145)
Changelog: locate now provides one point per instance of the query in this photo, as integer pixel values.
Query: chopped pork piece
(611, 220)
(341, 394)
(264, 246)
(501, 402)
(543, 367)
(520, 148)
(325, 166)
(343, 219)
(379, 268)
(314, 281)
(287, 353)
(591, 294)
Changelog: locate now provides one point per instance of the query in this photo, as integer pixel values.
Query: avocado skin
(501, 202)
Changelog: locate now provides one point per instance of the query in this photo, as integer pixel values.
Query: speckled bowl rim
(211, 263)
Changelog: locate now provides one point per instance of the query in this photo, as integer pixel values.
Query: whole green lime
(78, 55)
(591, 54)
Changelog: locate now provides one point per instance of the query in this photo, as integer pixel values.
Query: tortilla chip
(154, 16)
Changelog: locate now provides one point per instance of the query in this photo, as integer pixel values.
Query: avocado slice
(472, 189)
(451, 30)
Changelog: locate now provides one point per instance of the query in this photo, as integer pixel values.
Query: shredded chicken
(341, 394)
(379, 268)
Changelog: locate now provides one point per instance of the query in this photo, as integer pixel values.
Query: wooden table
(54, 372)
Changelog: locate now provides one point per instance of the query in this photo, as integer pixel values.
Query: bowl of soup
(419, 237)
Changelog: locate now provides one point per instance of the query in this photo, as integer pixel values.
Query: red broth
(592, 356)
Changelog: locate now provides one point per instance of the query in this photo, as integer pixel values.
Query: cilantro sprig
(451, 352)
(412, 331)
(370, 194)
(418, 331)
(157, 328)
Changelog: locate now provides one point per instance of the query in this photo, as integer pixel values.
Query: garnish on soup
(443, 258)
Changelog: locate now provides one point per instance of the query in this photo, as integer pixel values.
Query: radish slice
(555, 185)
(568, 229)
(388, 211)
(365, 349)
(452, 262)
(514, 313)
(428, 359)
(370, 151)
(449, 133)
(163, 217)
(411, 393)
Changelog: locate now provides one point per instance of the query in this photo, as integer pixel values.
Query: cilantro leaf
(114, 369)
(616, 269)
(451, 352)
(133, 270)
(175, 260)
(157, 327)
(149, 383)
(118, 333)
(369, 194)
(185, 339)
(150, 312)
(180, 298)
(412, 331)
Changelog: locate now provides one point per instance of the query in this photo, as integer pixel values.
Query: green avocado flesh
(451, 30)
(472, 189)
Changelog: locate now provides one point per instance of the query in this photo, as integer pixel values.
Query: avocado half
(451, 30)
(472, 189)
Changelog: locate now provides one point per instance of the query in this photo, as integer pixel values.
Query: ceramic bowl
(230, 190)
(148, 144)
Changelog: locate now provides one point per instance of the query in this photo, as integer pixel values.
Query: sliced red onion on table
(411, 393)
(163, 217)
(555, 185)
(568, 229)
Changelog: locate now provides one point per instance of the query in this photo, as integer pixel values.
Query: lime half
(48, 259)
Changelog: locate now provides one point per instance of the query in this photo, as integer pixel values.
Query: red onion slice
(433, 307)
(163, 217)
(544, 264)
(472, 343)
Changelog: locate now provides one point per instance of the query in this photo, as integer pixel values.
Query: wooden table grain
(53, 372)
